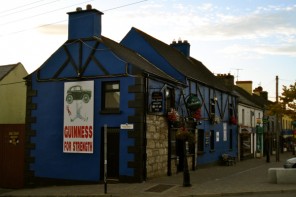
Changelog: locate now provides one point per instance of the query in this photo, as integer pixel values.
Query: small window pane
(112, 99)
(111, 96)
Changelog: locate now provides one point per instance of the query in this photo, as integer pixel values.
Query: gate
(12, 155)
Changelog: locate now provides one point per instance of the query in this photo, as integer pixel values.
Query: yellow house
(12, 94)
(12, 125)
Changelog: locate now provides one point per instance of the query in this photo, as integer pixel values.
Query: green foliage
(288, 100)
(287, 104)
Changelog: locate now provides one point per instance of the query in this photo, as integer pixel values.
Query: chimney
(246, 85)
(259, 91)
(264, 94)
(228, 79)
(84, 23)
(183, 47)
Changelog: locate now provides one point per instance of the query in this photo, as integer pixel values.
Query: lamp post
(186, 175)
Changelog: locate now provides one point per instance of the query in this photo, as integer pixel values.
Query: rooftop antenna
(237, 72)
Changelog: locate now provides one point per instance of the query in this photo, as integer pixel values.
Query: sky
(254, 40)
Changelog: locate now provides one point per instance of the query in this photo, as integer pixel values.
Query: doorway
(113, 142)
(12, 155)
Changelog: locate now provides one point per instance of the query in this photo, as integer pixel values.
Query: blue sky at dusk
(252, 39)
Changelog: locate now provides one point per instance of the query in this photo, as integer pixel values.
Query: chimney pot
(88, 7)
(78, 9)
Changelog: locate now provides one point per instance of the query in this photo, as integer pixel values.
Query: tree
(287, 104)
(288, 100)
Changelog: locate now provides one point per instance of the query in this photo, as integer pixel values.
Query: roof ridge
(6, 69)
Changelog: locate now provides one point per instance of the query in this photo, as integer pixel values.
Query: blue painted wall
(139, 44)
(50, 161)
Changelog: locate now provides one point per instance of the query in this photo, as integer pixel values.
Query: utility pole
(277, 121)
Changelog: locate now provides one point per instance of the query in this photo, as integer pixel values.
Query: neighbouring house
(251, 110)
(210, 120)
(91, 88)
(250, 122)
(12, 124)
(287, 133)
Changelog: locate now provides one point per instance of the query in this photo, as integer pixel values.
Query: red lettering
(78, 132)
(82, 146)
(67, 146)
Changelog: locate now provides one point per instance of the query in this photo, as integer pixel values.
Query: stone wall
(157, 146)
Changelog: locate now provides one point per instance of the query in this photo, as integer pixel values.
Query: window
(212, 140)
(231, 113)
(173, 142)
(170, 99)
(200, 143)
(230, 139)
(243, 116)
(111, 96)
(212, 107)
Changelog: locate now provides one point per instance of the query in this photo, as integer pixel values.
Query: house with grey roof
(12, 124)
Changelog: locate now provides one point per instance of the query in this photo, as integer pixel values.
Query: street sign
(127, 126)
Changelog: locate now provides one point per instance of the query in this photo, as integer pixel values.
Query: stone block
(272, 175)
(286, 175)
(282, 175)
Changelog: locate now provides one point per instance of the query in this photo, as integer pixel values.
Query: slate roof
(4, 70)
(244, 97)
(250, 99)
(135, 59)
(190, 67)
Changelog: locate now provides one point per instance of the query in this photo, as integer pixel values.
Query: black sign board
(156, 102)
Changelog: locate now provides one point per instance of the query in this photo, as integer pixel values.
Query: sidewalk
(249, 176)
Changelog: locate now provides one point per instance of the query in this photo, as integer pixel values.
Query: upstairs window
(169, 99)
(212, 140)
(231, 110)
(111, 96)
(212, 106)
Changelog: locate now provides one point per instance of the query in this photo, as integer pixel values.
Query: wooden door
(112, 154)
(12, 155)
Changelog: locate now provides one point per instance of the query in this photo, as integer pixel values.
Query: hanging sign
(156, 102)
(78, 117)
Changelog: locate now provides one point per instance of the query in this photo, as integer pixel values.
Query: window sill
(110, 111)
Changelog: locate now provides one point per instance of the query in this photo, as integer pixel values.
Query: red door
(12, 155)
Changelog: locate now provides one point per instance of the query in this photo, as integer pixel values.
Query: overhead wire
(24, 18)
(3, 15)
(15, 8)
(40, 26)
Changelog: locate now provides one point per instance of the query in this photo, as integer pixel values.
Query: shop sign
(258, 120)
(156, 102)
(78, 117)
(14, 137)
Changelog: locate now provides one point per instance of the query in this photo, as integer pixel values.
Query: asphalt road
(285, 194)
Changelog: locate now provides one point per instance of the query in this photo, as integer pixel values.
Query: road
(285, 194)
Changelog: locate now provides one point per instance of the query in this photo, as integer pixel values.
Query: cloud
(263, 22)
(54, 29)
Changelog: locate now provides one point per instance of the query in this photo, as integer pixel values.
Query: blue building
(216, 131)
(92, 84)
(86, 86)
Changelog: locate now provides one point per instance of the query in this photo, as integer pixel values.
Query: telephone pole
(277, 121)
